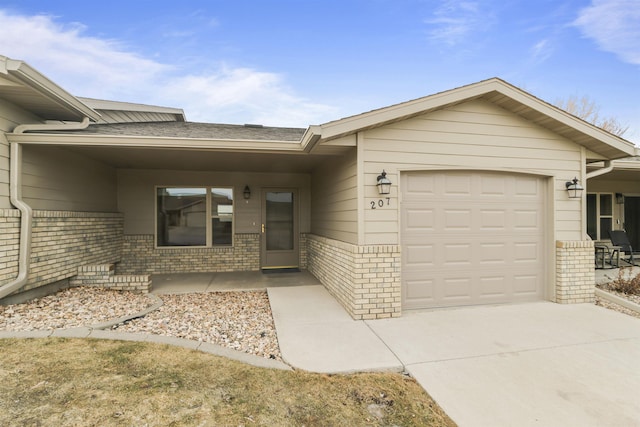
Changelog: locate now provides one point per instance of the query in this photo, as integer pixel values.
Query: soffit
(28, 89)
(202, 160)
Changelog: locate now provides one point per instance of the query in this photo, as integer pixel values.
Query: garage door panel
(419, 255)
(421, 291)
(420, 186)
(525, 284)
(527, 187)
(456, 288)
(457, 219)
(475, 238)
(493, 286)
(527, 252)
(457, 255)
(492, 253)
(417, 219)
(493, 220)
(456, 185)
(527, 219)
(493, 186)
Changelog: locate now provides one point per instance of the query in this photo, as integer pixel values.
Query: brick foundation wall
(364, 279)
(303, 251)
(103, 276)
(140, 256)
(575, 272)
(9, 244)
(61, 242)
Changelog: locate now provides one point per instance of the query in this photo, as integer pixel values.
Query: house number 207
(375, 204)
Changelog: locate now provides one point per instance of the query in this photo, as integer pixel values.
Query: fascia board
(155, 142)
(103, 104)
(47, 88)
(406, 109)
(418, 106)
(310, 138)
(568, 119)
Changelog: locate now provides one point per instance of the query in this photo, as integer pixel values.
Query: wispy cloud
(614, 25)
(109, 69)
(541, 51)
(454, 21)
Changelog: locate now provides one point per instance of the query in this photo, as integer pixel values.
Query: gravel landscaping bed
(612, 306)
(237, 320)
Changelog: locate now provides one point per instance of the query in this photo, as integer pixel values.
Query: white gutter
(608, 167)
(26, 213)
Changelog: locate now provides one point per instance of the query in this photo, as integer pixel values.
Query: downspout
(608, 167)
(26, 213)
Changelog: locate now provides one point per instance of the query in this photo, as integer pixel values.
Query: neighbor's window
(599, 215)
(182, 216)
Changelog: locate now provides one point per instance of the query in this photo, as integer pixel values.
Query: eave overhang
(496, 91)
(24, 86)
(83, 140)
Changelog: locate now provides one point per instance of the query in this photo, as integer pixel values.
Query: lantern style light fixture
(384, 185)
(247, 192)
(574, 188)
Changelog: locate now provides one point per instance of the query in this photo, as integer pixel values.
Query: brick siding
(140, 256)
(575, 272)
(61, 243)
(364, 279)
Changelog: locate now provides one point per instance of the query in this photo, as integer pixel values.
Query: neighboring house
(613, 201)
(477, 213)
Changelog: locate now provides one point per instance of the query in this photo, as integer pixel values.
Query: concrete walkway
(527, 364)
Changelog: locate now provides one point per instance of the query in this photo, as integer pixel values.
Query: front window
(599, 215)
(182, 214)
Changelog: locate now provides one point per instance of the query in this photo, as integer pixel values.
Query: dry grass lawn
(65, 382)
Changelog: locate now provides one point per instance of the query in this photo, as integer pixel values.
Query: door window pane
(222, 216)
(181, 217)
(279, 221)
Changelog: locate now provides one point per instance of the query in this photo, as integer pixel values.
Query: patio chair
(620, 239)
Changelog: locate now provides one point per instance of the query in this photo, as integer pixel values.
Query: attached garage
(472, 237)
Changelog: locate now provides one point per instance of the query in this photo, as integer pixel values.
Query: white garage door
(471, 238)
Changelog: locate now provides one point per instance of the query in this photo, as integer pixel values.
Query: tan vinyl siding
(334, 206)
(137, 189)
(475, 135)
(10, 117)
(60, 180)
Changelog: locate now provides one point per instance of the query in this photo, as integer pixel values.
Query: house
(477, 211)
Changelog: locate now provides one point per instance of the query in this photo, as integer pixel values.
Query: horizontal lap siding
(473, 135)
(334, 204)
(10, 117)
(61, 180)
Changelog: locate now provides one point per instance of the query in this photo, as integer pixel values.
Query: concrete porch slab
(180, 283)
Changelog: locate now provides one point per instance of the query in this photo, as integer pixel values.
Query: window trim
(208, 215)
(599, 216)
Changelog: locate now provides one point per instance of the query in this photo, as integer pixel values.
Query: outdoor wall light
(574, 188)
(620, 198)
(384, 185)
(247, 192)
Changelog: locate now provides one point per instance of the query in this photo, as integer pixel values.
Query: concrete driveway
(540, 364)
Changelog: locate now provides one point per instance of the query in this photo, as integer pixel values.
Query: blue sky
(296, 63)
